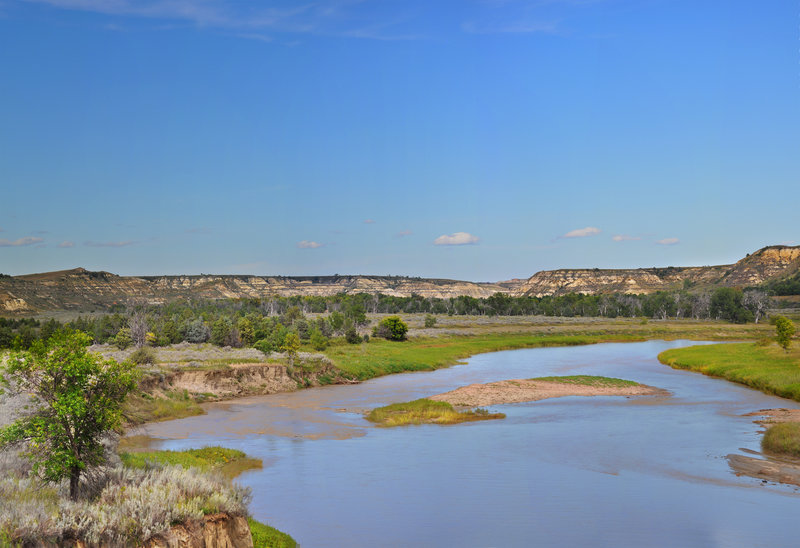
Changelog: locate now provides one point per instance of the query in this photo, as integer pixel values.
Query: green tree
(784, 330)
(123, 338)
(318, 340)
(79, 398)
(291, 345)
(246, 331)
(391, 328)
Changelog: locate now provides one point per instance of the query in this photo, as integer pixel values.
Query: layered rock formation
(82, 290)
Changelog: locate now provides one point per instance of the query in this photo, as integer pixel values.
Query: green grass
(229, 462)
(765, 368)
(782, 439)
(265, 536)
(589, 380)
(380, 357)
(425, 411)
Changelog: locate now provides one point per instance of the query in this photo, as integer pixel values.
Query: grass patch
(782, 439)
(589, 380)
(765, 368)
(425, 411)
(230, 462)
(141, 408)
(265, 536)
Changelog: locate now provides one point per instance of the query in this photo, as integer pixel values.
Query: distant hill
(83, 290)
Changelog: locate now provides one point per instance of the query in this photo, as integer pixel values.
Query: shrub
(265, 345)
(391, 328)
(132, 505)
(430, 320)
(143, 355)
(318, 340)
(352, 336)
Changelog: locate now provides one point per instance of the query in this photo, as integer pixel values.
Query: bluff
(83, 290)
(764, 265)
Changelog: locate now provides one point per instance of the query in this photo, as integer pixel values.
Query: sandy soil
(520, 390)
(772, 416)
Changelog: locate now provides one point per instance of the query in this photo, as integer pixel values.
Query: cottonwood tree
(784, 330)
(756, 302)
(79, 398)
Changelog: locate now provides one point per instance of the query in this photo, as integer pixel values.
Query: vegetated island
(440, 409)
(780, 445)
(522, 390)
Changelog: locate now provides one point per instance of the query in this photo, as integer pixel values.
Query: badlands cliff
(82, 290)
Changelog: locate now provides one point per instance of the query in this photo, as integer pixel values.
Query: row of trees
(266, 323)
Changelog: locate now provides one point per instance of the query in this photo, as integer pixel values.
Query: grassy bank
(426, 411)
(765, 368)
(142, 408)
(229, 462)
(782, 439)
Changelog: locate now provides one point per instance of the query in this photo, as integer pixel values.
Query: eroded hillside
(83, 290)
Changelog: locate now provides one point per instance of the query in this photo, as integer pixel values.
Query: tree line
(265, 323)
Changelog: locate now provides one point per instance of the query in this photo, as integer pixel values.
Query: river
(576, 471)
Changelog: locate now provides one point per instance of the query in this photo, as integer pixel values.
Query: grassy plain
(425, 411)
(765, 367)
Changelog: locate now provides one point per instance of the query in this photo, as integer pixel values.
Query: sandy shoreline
(522, 390)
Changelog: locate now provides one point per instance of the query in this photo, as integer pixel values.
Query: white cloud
(403, 233)
(625, 238)
(457, 238)
(668, 241)
(369, 221)
(125, 243)
(27, 240)
(66, 243)
(307, 244)
(582, 232)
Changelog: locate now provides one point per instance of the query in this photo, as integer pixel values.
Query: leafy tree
(291, 345)
(196, 331)
(79, 398)
(221, 331)
(391, 328)
(246, 331)
(784, 330)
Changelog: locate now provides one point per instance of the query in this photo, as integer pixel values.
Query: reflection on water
(573, 471)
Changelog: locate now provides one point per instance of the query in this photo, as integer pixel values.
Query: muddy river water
(575, 471)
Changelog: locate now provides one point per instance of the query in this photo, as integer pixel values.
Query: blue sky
(469, 139)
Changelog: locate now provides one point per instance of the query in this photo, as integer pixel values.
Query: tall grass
(426, 411)
(782, 439)
(229, 462)
(765, 368)
(141, 408)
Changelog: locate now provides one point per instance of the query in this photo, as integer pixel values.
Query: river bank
(185, 376)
